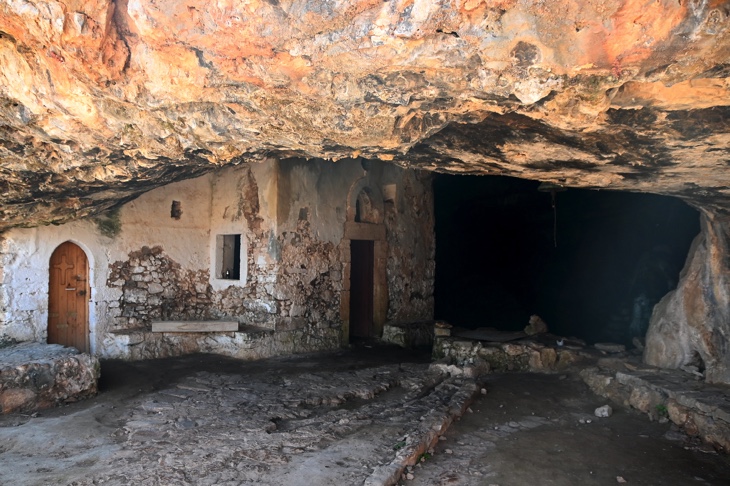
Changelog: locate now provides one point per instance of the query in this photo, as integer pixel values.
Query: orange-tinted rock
(102, 100)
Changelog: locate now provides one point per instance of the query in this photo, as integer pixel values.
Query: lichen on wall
(109, 223)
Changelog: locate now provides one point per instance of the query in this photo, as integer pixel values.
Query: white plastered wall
(26, 255)
(208, 207)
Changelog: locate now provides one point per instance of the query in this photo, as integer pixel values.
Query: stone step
(701, 410)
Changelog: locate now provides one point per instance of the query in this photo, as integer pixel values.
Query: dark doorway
(497, 262)
(361, 288)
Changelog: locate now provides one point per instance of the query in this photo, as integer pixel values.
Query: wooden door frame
(376, 234)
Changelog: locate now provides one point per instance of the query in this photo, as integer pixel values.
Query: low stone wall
(699, 409)
(248, 343)
(34, 376)
(449, 400)
(409, 335)
(502, 357)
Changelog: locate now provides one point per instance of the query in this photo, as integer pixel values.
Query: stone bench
(194, 326)
(244, 342)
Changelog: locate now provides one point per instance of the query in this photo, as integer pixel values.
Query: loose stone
(604, 411)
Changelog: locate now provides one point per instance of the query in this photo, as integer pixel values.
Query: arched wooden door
(68, 297)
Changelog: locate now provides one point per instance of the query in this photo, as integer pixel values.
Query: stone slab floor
(338, 419)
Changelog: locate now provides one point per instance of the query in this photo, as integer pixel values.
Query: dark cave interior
(497, 262)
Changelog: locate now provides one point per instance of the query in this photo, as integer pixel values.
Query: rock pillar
(694, 320)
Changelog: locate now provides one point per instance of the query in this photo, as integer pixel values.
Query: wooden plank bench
(194, 326)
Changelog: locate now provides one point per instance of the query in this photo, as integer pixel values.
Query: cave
(270, 178)
(106, 102)
(592, 264)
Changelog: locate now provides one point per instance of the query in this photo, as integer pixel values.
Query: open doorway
(593, 267)
(362, 254)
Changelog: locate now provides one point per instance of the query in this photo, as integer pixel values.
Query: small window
(228, 257)
(176, 210)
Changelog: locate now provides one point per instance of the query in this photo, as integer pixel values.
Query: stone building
(300, 255)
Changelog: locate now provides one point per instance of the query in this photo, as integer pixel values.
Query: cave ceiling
(102, 100)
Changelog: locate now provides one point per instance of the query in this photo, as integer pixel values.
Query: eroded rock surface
(691, 326)
(701, 411)
(35, 376)
(102, 100)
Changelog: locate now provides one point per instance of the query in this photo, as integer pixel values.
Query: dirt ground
(333, 420)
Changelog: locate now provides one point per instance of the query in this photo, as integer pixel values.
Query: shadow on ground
(338, 419)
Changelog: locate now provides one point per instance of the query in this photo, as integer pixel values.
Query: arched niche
(364, 203)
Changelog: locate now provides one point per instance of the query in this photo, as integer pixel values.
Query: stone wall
(698, 409)
(411, 257)
(155, 258)
(19, 308)
(154, 287)
(292, 278)
(309, 278)
(522, 356)
(248, 343)
(691, 325)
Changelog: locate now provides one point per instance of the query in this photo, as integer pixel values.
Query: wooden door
(68, 297)
(361, 288)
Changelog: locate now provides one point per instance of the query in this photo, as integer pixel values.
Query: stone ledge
(249, 342)
(519, 356)
(194, 326)
(699, 409)
(34, 376)
(455, 397)
(409, 335)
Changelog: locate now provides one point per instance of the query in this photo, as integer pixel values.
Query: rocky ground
(541, 429)
(34, 376)
(353, 417)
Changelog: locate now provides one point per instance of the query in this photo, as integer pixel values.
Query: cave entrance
(497, 262)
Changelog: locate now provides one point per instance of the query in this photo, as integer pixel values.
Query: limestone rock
(536, 326)
(34, 376)
(610, 347)
(603, 411)
(103, 100)
(690, 322)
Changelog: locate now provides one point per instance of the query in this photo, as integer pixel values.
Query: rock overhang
(103, 100)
